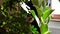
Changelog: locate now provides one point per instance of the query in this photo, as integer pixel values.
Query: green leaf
(46, 14)
(39, 11)
(44, 28)
(40, 3)
(36, 2)
(4, 14)
(33, 13)
(4, 23)
(2, 7)
(34, 30)
(32, 26)
(47, 32)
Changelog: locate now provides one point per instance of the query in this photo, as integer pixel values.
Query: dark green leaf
(39, 11)
(36, 2)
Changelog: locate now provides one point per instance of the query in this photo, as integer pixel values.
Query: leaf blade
(47, 13)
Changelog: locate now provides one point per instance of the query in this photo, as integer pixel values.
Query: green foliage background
(13, 18)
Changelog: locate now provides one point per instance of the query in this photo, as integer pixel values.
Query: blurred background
(54, 24)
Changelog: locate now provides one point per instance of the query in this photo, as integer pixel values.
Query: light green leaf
(33, 13)
(2, 7)
(4, 14)
(4, 23)
(44, 28)
(46, 14)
